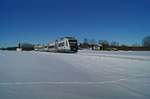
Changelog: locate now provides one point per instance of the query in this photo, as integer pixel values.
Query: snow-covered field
(84, 75)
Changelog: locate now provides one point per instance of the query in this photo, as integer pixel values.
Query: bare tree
(93, 41)
(115, 44)
(104, 44)
(85, 41)
(146, 41)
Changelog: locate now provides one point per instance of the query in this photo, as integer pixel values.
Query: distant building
(96, 47)
(19, 49)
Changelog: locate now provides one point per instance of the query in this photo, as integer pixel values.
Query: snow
(84, 75)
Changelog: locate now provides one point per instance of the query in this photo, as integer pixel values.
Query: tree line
(114, 45)
(23, 46)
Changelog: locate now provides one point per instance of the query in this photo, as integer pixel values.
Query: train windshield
(73, 42)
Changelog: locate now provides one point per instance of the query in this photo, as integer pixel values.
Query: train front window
(73, 42)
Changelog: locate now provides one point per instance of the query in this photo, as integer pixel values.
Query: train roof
(71, 38)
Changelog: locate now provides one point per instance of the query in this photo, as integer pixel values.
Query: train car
(52, 47)
(42, 48)
(65, 44)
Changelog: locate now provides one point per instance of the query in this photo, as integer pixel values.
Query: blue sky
(42, 21)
